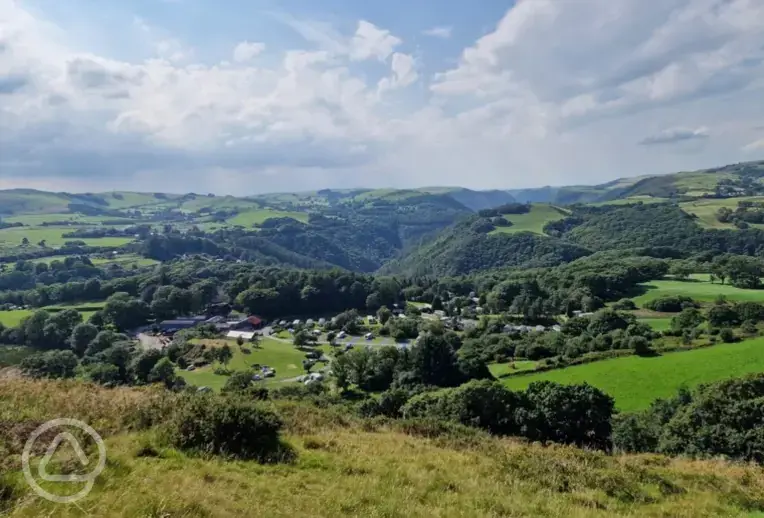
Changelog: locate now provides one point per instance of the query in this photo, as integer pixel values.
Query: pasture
(285, 358)
(255, 217)
(658, 324)
(533, 221)
(699, 288)
(630, 200)
(635, 382)
(705, 210)
(14, 317)
(53, 236)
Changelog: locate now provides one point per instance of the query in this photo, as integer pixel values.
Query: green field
(705, 210)
(39, 219)
(633, 199)
(533, 221)
(53, 236)
(658, 324)
(13, 318)
(285, 358)
(635, 382)
(253, 217)
(699, 288)
(503, 369)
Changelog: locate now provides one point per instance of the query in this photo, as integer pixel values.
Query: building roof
(245, 335)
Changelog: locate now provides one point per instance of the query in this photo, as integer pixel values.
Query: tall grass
(347, 466)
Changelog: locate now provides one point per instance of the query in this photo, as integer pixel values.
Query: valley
(340, 326)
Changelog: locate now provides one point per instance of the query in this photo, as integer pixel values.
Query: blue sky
(272, 95)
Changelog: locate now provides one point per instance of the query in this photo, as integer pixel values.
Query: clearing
(533, 221)
(705, 210)
(635, 382)
(699, 288)
(285, 358)
(255, 217)
(53, 236)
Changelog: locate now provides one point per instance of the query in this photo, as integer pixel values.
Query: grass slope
(635, 382)
(249, 218)
(345, 466)
(53, 236)
(533, 221)
(699, 288)
(705, 210)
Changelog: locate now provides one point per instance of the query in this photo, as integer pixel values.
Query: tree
(384, 314)
(570, 414)
(434, 362)
(82, 335)
(640, 345)
(224, 354)
(24, 241)
(142, 364)
(163, 372)
(689, 318)
(239, 341)
(102, 341)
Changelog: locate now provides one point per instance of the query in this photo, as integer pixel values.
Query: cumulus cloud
(439, 32)
(674, 135)
(246, 51)
(554, 88)
(403, 73)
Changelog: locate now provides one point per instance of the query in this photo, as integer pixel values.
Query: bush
(219, 425)
(483, 404)
(671, 304)
(624, 305)
(727, 335)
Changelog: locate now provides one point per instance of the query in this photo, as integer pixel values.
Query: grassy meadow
(635, 381)
(53, 237)
(255, 217)
(705, 210)
(345, 466)
(284, 357)
(533, 221)
(699, 288)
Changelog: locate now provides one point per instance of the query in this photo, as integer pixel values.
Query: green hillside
(533, 221)
(635, 382)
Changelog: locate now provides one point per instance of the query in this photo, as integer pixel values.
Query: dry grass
(350, 467)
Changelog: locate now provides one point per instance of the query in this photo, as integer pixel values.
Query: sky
(250, 96)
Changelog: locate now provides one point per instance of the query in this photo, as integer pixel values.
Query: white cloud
(246, 51)
(403, 71)
(439, 32)
(370, 41)
(674, 135)
(557, 88)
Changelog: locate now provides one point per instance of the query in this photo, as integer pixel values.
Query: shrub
(671, 304)
(625, 305)
(727, 335)
(218, 425)
(483, 404)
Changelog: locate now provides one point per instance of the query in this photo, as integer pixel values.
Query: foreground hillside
(345, 466)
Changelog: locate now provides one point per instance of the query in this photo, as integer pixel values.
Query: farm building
(252, 322)
(173, 326)
(246, 335)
